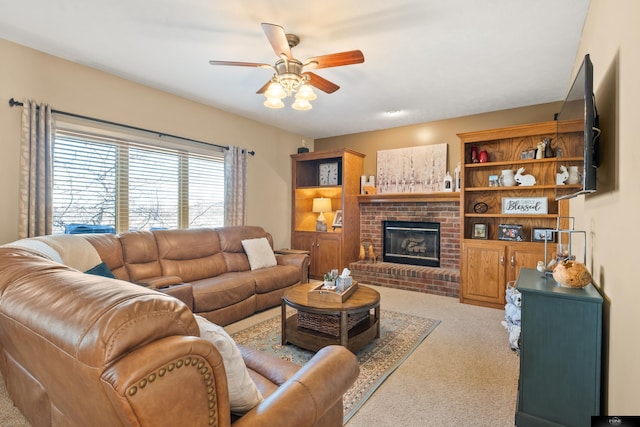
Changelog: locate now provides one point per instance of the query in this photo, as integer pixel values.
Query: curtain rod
(14, 103)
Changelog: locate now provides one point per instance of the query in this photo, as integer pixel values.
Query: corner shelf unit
(488, 263)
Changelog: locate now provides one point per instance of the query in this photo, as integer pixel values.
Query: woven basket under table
(328, 323)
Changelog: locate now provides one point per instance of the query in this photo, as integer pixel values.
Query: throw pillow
(259, 253)
(101, 270)
(243, 393)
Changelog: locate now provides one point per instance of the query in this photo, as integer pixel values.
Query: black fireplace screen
(410, 242)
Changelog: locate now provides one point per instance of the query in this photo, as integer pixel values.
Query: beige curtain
(35, 204)
(235, 177)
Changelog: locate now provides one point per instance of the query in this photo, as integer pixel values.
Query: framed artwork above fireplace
(412, 169)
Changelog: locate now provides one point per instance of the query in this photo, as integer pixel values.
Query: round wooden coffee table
(318, 324)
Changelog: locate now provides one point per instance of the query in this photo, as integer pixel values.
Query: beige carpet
(463, 374)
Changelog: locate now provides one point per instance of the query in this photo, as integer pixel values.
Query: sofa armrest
(171, 381)
(274, 369)
(160, 281)
(309, 393)
(300, 260)
(181, 291)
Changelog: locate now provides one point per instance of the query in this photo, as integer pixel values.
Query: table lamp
(321, 205)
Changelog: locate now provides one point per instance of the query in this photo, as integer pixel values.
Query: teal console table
(560, 353)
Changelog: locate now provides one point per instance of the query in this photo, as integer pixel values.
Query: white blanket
(74, 250)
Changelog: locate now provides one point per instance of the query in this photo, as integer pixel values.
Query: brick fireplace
(443, 208)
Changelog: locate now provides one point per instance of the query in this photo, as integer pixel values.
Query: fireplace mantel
(409, 197)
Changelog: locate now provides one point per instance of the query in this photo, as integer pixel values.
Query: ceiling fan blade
(337, 59)
(278, 39)
(241, 64)
(321, 83)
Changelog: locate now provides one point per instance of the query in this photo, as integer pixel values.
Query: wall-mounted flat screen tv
(578, 128)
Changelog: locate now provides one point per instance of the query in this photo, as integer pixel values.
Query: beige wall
(611, 36)
(26, 73)
(443, 131)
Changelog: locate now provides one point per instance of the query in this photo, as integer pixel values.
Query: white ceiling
(427, 59)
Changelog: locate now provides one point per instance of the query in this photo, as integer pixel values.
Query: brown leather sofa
(207, 269)
(78, 350)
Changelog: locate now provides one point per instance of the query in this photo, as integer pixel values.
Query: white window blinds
(107, 183)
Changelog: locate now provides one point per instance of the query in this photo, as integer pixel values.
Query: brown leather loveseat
(78, 349)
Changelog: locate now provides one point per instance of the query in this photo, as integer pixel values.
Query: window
(111, 181)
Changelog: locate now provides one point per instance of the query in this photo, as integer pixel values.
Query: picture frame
(525, 205)
(527, 154)
(337, 219)
(543, 235)
(480, 231)
(511, 232)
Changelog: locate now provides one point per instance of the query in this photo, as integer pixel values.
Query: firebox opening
(411, 242)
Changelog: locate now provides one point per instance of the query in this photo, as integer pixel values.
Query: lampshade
(321, 204)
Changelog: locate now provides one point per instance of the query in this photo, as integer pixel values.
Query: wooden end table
(364, 299)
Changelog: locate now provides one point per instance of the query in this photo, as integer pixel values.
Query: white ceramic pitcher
(507, 178)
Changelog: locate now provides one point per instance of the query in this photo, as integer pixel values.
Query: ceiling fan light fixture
(306, 93)
(273, 103)
(301, 105)
(289, 76)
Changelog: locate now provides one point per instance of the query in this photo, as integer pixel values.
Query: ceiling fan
(289, 72)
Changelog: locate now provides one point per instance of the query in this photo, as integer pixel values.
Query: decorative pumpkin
(571, 274)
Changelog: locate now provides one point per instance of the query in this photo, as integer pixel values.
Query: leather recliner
(78, 349)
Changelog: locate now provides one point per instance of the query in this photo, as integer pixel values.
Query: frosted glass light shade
(301, 105)
(273, 103)
(306, 93)
(275, 91)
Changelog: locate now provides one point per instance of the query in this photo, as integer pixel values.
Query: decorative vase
(548, 151)
(574, 175)
(571, 274)
(483, 156)
(507, 178)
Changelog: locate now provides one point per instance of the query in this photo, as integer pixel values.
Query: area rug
(400, 335)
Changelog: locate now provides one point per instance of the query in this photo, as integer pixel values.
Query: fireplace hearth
(411, 242)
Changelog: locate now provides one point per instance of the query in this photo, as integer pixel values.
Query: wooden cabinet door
(324, 250)
(522, 255)
(327, 253)
(306, 241)
(483, 273)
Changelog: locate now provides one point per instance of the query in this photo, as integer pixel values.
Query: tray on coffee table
(318, 294)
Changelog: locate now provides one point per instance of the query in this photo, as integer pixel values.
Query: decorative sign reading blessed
(524, 205)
